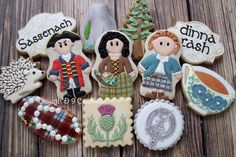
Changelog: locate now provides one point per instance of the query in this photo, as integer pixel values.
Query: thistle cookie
(49, 120)
(96, 23)
(160, 68)
(20, 79)
(158, 124)
(34, 36)
(200, 44)
(69, 68)
(138, 26)
(114, 69)
(206, 91)
(107, 122)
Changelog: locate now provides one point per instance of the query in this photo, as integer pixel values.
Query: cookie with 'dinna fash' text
(49, 120)
(114, 69)
(34, 36)
(160, 68)
(20, 79)
(158, 124)
(107, 122)
(206, 91)
(200, 44)
(69, 68)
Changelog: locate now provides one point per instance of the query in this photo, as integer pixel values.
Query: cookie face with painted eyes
(63, 46)
(114, 46)
(164, 45)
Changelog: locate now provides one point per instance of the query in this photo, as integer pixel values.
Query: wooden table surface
(213, 136)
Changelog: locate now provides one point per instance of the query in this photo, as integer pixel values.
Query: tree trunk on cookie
(138, 26)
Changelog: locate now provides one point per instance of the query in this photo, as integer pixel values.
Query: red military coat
(58, 70)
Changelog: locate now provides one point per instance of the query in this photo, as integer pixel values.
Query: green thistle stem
(107, 138)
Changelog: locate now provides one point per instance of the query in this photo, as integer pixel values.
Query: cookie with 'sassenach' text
(107, 122)
(200, 44)
(40, 28)
(206, 91)
(158, 124)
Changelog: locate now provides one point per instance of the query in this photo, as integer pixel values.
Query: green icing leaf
(144, 34)
(119, 132)
(87, 30)
(94, 133)
(147, 25)
(129, 30)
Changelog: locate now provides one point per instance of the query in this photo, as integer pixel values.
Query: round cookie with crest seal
(159, 124)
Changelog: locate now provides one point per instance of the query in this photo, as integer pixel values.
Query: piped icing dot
(58, 137)
(36, 113)
(40, 107)
(35, 120)
(37, 99)
(49, 128)
(31, 100)
(76, 125)
(38, 125)
(64, 138)
(52, 133)
(20, 113)
(74, 119)
(58, 110)
(77, 130)
(52, 109)
(26, 104)
(44, 126)
(46, 108)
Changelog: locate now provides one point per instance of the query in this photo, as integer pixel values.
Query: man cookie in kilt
(68, 67)
(159, 68)
(114, 69)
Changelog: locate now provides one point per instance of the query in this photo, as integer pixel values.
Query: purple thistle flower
(106, 109)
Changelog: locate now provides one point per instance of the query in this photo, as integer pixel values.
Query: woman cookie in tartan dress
(161, 68)
(114, 69)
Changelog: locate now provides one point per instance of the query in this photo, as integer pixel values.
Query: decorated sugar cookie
(20, 79)
(200, 44)
(96, 23)
(206, 91)
(69, 68)
(49, 120)
(158, 124)
(160, 68)
(138, 26)
(107, 122)
(114, 69)
(34, 36)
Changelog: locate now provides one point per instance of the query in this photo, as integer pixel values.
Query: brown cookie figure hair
(165, 34)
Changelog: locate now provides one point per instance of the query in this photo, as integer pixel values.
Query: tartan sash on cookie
(159, 82)
(49, 120)
(124, 87)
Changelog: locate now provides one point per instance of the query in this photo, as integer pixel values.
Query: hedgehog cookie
(200, 44)
(69, 68)
(40, 28)
(158, 124)
(20, 79)
(96, 23)
(107, 122)
(206, 91)
(114, 69)
(49, 120)
(160, 68)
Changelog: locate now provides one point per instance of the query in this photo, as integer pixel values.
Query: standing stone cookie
(206, 91)
(20, 79)
(107, 122)
(96, 23)
(138, 26)
(158, 124)
(49, 120)
(34, 36)
(160, 68)
(69, 68)
(200, 44)
(114, 69)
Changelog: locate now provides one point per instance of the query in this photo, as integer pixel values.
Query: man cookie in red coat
(68, 67)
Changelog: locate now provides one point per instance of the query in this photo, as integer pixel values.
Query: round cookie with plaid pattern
(160, 68)
(49, 120)
(114, 69)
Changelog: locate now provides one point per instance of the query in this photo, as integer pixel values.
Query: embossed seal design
(160, 125)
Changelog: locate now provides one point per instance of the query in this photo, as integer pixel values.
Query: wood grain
(213, 136)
